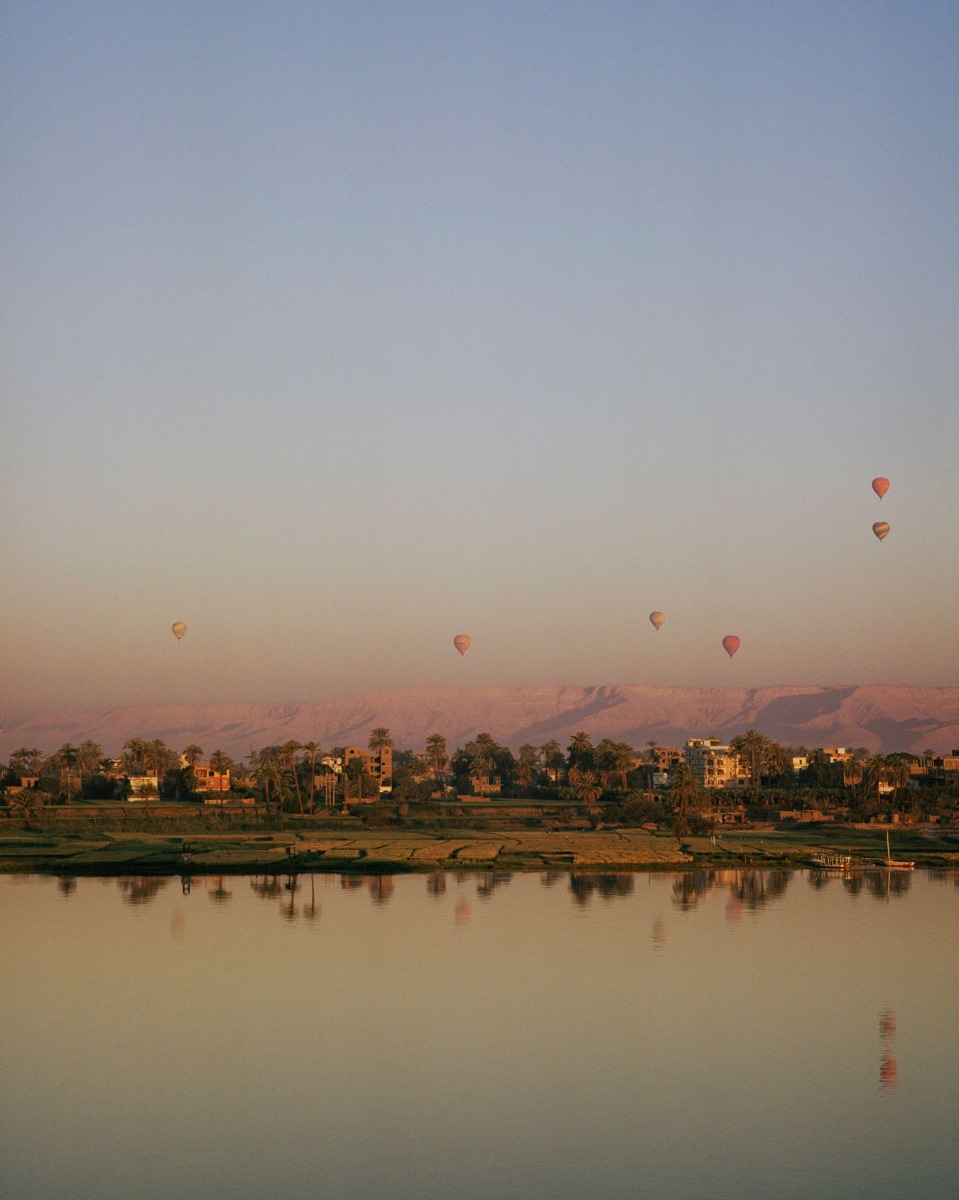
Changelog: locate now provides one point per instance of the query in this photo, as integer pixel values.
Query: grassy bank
(101, 851)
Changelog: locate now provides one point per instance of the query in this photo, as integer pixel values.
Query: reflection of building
(714, 764)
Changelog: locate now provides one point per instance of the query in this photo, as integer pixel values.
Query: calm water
(720, 1035)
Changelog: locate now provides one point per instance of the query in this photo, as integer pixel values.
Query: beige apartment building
(714, 764)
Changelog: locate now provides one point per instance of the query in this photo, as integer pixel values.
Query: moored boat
(894, 864)
(831, 862)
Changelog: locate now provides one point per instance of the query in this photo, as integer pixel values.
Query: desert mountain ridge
(882, 718)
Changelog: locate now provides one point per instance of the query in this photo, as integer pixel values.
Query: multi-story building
(378, 764)
(714, 764)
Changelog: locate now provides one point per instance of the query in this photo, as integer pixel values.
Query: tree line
(293, 777)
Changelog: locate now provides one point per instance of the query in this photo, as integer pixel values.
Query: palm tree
(88, 757)
(552, 756)
(436, 752)
(66, 760)
(586, 786)
(135, 756)
(852, 772)
(650, 759)
(753, 746)
(897, 773)
(289, 749)
(876, 772)
(684, 792)
(193, 753)
(221, 763)
(624, 761)
(581, 750)
(26, 762)
(605, 759)
(526, 763)
(380, 739)
(313, 749)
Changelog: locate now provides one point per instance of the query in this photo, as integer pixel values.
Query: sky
(334, 330)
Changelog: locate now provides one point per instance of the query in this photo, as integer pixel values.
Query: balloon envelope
(880, 529)
(461, 642)
(657, 619)
(731, 644)
(880, 486)
(179, 629)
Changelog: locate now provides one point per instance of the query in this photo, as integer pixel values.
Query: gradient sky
(337, 329)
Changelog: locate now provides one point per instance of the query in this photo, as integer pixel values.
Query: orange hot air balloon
(179, 629)
(880, 486)
(880, 529)
(461, 642)
(657, 619)
(731, 644)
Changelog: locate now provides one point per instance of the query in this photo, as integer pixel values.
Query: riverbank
(394, 851)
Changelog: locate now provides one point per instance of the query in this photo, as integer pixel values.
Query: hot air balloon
(461, 642)
(731, 644)
(179, 629)
(657, 619)
(880, 529)
(880, 486)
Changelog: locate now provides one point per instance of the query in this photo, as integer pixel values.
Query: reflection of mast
(888, 1067)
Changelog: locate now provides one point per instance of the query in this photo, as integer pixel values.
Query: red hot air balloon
(880, 486)
(880, 529)
(731, 644)
(461, 642)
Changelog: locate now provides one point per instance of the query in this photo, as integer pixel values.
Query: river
(721, 1034)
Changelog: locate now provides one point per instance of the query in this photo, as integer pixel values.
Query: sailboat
(893, 864)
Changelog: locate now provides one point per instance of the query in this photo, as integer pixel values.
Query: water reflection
(888, 1067)
(470, 979)
(138, 889)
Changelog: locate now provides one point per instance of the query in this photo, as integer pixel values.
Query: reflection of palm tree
(218, 893)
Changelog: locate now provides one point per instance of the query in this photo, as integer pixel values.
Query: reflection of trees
(267, 887)
(550, 878)
(67, 884)
(218, 893)
(608, 885)
(381, 887)
(883, 884)
(751, 889)
(140, 889)
(756, 888)
(490, 881)
(288, 910)
(436, 883)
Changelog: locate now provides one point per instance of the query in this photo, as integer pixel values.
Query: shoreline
(112, 853)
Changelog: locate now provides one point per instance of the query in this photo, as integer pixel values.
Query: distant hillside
(881, 718)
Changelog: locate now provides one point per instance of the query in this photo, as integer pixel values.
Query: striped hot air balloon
(880, 529)
(462, 642)
(179, 629)
(657, 619)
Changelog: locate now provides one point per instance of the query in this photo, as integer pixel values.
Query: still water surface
(725, 1034)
